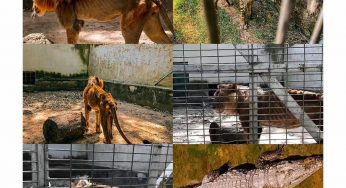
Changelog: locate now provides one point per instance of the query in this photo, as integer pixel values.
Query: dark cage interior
(267, 94)
(97, 165)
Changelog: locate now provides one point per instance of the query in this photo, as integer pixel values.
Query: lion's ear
(100, 83)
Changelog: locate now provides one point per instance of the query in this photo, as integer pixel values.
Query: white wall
(132, 64)
(57, 58)
(208, 54)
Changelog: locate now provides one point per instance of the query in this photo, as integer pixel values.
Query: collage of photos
(173, 93)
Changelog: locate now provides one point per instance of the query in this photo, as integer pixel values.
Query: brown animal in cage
(136, 16)
(105, 108)
(233, 99)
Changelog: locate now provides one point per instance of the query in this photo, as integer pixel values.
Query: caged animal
(136, 16)
(95, 98)
(233, 99)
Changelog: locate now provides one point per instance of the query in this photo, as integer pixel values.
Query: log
(64, 128)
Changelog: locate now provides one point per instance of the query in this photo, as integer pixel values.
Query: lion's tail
(119, 128)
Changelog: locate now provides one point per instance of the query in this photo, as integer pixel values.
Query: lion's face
(40, 7)
(225, 98)
(108, 106)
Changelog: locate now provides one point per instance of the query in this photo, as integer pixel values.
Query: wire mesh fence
(30, 165)
(76, 165)
(249, 93)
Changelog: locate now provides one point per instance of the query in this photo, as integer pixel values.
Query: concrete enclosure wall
(131, 64)
(64, 59)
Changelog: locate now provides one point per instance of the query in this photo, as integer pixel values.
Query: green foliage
(188, 22)
(229, 31)
(190, 25)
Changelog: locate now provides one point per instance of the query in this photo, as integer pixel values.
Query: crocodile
(280, 173)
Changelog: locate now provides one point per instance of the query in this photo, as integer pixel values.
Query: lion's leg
(106, 133)
(98, 119)
(249, 11)
(131, 29)
(72, 36)
(243, 17)
(87, 109)
(153, 28)
(132, 23)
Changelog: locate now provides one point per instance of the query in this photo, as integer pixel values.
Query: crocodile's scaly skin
(285, 173)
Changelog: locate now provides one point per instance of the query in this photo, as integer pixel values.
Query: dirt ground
(191, 125)
(137, 122)
(93, 32)
(245, 35)
(249, 35)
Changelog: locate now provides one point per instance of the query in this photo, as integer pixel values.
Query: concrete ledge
(155, 97)
(56, 85)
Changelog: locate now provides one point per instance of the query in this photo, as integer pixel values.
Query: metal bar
(46, 165)
(317, 29)
(153, 174)
(164, 15)
(212, 22)
(259, 67)
(253, 104)
(285, 10)
(34, 166)
(293, 106)
(162, 78)
(40, 164)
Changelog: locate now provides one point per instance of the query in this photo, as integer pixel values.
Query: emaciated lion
(105, 108)
(136, 16)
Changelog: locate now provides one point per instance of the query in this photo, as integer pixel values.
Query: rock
(37, 38)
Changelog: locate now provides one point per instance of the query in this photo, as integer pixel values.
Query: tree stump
(64, 128)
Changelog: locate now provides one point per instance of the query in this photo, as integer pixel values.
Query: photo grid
(173, 93)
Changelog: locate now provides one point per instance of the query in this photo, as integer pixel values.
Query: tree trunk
(64, 128)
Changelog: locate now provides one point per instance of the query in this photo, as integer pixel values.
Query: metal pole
(211, 19)
(317, 29)
(285, 10)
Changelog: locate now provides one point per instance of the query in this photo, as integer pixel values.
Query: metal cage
(248, 93)
(89, 165)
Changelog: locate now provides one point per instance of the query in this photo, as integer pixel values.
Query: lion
(105, 108)
(136, 16)
(233, 99)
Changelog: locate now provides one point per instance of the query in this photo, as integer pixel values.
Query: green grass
(229, 32)
(190, 25)
(188, 22)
